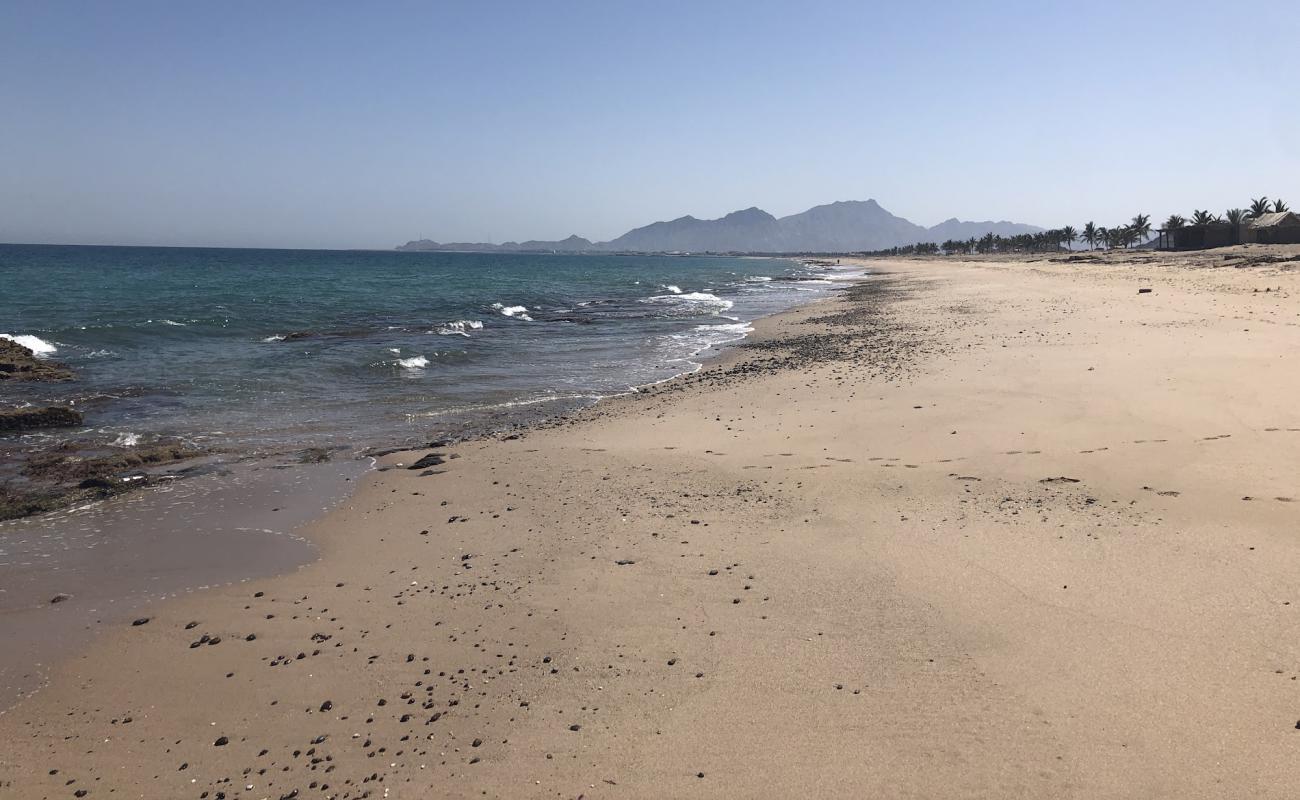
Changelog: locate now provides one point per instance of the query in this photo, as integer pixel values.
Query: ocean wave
(671, 288)
(414, 362)
(279, 337)
(126, 440)
(515, 312)
(758, 279)
(693, 302)
(688, 345)
(531, 401)
(730, 327)
(462, 327)
(34, 343)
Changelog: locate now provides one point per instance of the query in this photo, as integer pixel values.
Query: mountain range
(841, 227)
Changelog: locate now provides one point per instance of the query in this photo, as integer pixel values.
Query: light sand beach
(977, 528)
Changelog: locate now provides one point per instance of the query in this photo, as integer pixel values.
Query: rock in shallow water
(23, 419)
(18, 363)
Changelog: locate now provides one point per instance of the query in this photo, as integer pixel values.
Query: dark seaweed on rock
(18, 363)
(69, 475)
(63, 466)
(23, 419)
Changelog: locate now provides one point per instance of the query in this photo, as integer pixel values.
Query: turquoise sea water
(270, 350)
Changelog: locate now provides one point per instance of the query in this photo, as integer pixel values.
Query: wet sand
(66, 576)
(993, 528)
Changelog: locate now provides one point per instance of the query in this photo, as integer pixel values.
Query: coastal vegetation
(1134, 233)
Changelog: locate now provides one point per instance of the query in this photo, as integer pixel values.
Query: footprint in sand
(1284, 499)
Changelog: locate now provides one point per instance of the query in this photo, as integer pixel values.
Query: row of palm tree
(1233, 216)
(1134, 232)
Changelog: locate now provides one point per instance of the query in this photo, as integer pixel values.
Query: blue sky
(366, 124)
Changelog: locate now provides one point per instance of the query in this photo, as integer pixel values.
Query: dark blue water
(268, 350)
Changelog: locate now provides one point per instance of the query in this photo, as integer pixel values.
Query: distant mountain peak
(844, 226)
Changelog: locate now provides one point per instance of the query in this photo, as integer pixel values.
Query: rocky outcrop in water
(18, 363)
(79, 472)
(25, 419)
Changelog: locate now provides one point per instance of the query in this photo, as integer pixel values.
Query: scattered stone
(141, 621)
(431, 460)
(221, 742)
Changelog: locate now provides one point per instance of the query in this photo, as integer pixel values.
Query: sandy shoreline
(981, 529)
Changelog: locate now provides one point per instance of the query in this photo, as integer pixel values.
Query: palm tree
(1236, 216)
(1103, 236)
(1200, 217)
(1141, 226)
(1174, 222)
(1258, 207)
(1279, 207)
(1090, 234)
(1070, 235)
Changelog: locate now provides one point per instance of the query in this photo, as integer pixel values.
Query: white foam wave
(279, 337)
(758, 279)
(34, 343)
(172, 322)
(414, 362)
(515, 312)
(127, 440)
(697, 301)
(462, 327)
(671, 288)
(732, 327)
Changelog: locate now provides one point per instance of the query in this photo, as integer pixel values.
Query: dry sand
(977, 529)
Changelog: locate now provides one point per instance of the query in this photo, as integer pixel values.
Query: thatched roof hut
(1281, 227)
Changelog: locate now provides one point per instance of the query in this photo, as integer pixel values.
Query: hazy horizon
(300, 125)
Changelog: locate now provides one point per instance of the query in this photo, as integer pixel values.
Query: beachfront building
(1276, 228)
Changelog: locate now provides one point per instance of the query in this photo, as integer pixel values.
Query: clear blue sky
(330, 124)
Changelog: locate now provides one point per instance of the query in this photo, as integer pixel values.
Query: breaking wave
(516, 312)
(34, 343)
(693, 302)
(462, 327)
